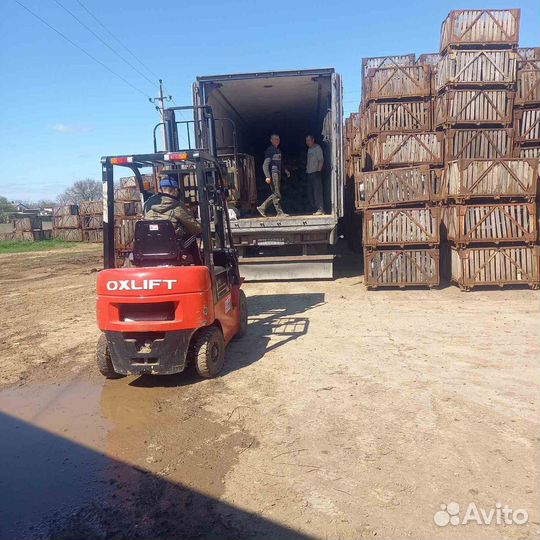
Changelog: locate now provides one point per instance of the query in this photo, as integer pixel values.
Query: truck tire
(242, 304)
(104, 362)
(209, 352)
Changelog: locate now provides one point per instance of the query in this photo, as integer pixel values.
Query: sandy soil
(343, 414)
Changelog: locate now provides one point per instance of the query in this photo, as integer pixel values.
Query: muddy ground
(343, 414)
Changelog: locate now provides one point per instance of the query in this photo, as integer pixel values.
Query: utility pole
(161, 108)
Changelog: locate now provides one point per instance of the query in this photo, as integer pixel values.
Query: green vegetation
(21, 246)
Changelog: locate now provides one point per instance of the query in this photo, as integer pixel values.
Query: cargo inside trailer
(289, 105)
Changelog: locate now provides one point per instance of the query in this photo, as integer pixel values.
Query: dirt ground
(343, 414)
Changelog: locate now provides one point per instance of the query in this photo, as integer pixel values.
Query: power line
(82, 50)
(116, 39)
(105, 43)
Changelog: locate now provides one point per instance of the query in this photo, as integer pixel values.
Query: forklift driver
(166, 204)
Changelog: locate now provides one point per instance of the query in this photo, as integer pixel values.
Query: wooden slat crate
(94, 236)
(27, 223)
(357, 165)
(402, 227)
(398, 116)
(90, 207)
(92, 221)
(398, 82)
(65, 210)
(527, 126)
(491, 178)
(125, 234)
(121, 208)
(66, 222)
(528, 53)
(478, 143)
(500, 266)
(392, 187)
(478, 68)
(474, 107)
(401, 268)
(491, 223)
(399, 150)
(386, 61)
(357, 145)
(68, 235)
(127, 194)
(527, 152)
(528, 83)
(131, 181)
(429, 59)
(480, 27)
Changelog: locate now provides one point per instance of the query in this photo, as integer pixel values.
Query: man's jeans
(276, 194)
(315, 191)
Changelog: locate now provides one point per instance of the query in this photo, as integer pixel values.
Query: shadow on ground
(273, 322)
(54, 488)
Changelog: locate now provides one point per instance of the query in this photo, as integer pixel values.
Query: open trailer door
(338, 165)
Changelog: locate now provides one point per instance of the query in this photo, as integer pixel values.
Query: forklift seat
(155, 243)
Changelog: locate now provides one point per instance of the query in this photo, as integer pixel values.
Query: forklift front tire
(243, 312)
(209, 352)
(104, 362)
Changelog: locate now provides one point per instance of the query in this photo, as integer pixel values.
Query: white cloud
(71, 128)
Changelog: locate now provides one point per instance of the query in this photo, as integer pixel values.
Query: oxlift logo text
(140, 285)
(449, 514)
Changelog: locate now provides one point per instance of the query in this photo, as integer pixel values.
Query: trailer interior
(289, 104)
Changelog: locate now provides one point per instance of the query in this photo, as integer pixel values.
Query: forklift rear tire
(104, 362)
(209, 352)
(242, 304)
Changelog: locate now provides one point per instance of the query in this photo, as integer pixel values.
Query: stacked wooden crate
(527, 103)
(241, 181)
(401, 225)
(353, 149)
(396, 113)
(91, 215)
(29, 228)
(401, 230)
(491, 222)
(66, 223)
(491, 219)
(128, 209)
(475, 83)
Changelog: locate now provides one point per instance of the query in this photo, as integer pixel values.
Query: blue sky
(61, 111)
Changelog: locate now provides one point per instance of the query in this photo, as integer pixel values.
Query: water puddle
(48, 455)
(84, 459)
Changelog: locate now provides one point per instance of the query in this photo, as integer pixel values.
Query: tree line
(81, 190)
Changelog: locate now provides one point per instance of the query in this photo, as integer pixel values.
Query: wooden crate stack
(527, 103)
(396, 113)
(475, 80)
(401, 230)
(491, 222)
(352, 145)
(398, 183)
(491, 219)
(29, 228)
(128, 209)
(482, 129)
(66, 223)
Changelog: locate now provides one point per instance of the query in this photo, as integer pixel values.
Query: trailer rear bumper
(156, 353)
(287, 268)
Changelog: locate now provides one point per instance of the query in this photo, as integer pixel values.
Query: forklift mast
(210, 184)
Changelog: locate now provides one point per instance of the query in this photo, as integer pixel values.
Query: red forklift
(169, 309)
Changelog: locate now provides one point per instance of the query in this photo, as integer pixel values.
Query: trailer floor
(343, 414)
